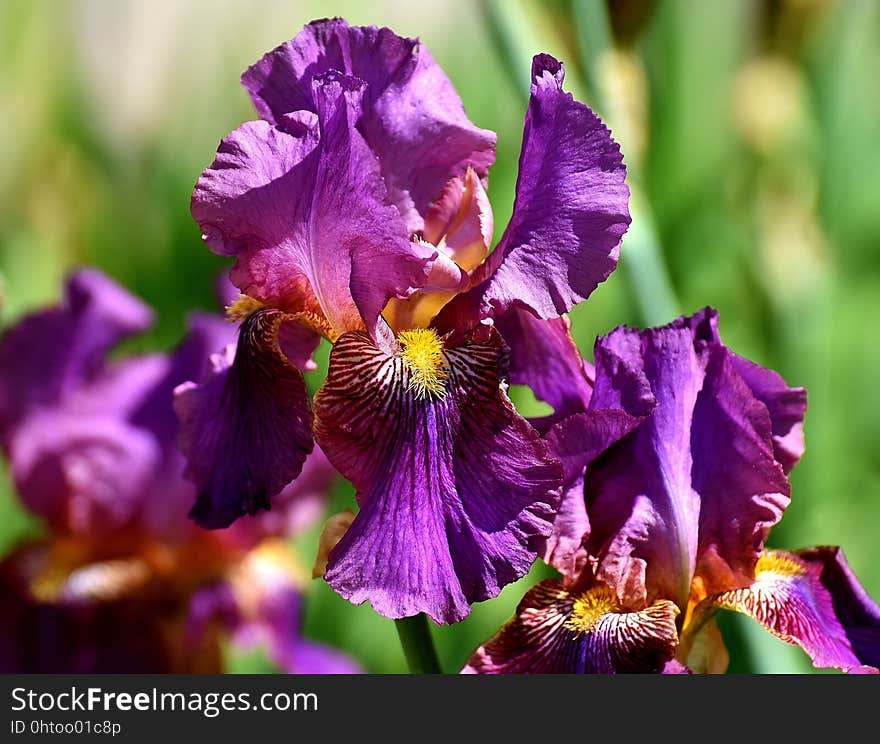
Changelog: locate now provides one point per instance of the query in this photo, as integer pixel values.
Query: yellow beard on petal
(422, 353)
(589, 608)
(242, 308)
(773, 562)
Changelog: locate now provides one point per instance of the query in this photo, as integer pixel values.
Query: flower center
(778, 563)
(422, 352)
(242, 308)
(590, 606)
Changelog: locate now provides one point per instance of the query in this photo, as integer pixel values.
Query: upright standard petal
(304, 210)
(246, 430)
(50, 353)
(694, 489)
(811, 598)
(570, 214)
(412, 118)
(556, 631)
(455, 488)
(621, 400)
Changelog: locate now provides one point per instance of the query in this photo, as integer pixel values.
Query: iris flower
(122, 581)
(356, 210)
(676, 470)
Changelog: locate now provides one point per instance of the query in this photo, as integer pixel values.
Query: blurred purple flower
(356, 209)
(91, 447)
(676, 470)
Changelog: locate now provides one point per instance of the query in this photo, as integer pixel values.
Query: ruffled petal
(304, 210)
(52, 352)
(570, 214)
(694, 489)
(246, 430)
(558, 632)
(454, 487)
(412, 118)
(812, 598)
(785, 405)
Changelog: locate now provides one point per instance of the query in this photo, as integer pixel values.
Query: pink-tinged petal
(304, 210)
(51, 353)
(461, 221)
(246, 430)
(570, 214)
(454, 487)
(813, 600)
(675, 667)
(558, 632)
(412, 118)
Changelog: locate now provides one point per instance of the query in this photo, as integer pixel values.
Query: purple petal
(550, 635)
(51, 352)
(694, 489)
(260, 604)
(675, 667)
(454, 488)
(85, 474)
(743, 489)
(543, 356)
(570, 214)
(246, 430)
(786, 405)
(412, 118)
(304, 210)
(812, 599)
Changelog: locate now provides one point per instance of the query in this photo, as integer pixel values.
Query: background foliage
(750, 129)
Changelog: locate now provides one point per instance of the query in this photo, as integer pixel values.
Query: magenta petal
(246, 430)
(304, 210)
(454, 490)
(51, 353)
(542, 638)
(858, 614)
(412, 118)
(570, 214)
(812, 598)
(696, 486)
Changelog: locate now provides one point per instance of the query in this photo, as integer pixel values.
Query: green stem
(418, 646)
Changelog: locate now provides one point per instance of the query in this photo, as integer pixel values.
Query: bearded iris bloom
(122, 581)
(665, 519)
(356, 210)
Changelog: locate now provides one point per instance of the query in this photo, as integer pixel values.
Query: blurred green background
(752, 134)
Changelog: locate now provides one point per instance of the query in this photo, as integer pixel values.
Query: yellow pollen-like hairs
(589, 608)
(422, 352)
(242, 308)
(779, 563)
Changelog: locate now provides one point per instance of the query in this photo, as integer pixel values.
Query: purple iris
(676, 469)
(356, 210)
(122, 581)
